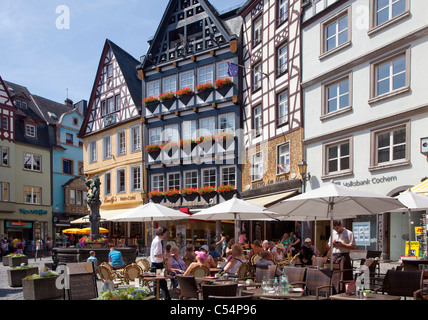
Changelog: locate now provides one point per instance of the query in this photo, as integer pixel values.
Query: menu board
(361, 232)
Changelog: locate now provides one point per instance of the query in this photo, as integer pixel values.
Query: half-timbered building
(191, 111)
(112, 136)
(272, 113)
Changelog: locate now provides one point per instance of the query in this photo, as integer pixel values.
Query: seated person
(190, 252)
(210, 259)
(175, 265)
(92, 258)
(213, 252)
(200, 261)
(280, 252)
(115, 259)
(238, 258)
(256, 249)
(305, 257)
(266, 261)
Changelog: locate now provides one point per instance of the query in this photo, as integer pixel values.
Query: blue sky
(48, 60)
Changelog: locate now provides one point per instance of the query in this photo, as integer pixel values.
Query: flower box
(15, 276)
(187, 145)
(153, 150)
(223, 86)
(185, 95)
(170, 148)
(43, 288)
(190, 194)
(167, 99)
(172, 195)
(226, 191)
(15, 261)
(151, 103)
(156, 196)
(204, 90)
(225, 139)
(207, 192)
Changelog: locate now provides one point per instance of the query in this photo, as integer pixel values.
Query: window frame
(161, 181)
(260, 164)
(326, 174)
(279, 71)
(32, 156)
(172, 82)
(107, 183)
(205, 68)
(106, 156)
(374, 27)
(159, 132)
(227, 115)
(92, 151)
(135, 128)
(278, 104)
(374, 65)
(132, 178)
(256, 41)
(29, 126)
(175, 179)
(155, 89)
(119, 142)
(190, 72)
(2, 150)
(374, 162)
(4, 186)
(71, 164)
(33, 193)
(203, 184)
(193, 185)
(324, 95)
(279, 18)
(222, 180)
(323, 30)
(118, 182)
(255, 120)
(254, 79)
(278, 156)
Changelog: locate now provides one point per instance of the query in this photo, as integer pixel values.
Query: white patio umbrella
(412, 202)
(149, 212)
(333, 201)
(237, 209)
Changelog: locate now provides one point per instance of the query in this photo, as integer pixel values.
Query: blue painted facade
(67, 166)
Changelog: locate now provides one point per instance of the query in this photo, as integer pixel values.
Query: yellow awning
(266, 201)
(421, 188)
(105, 214)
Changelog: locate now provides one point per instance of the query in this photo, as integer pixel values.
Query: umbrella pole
(331, 245)
(410, 231)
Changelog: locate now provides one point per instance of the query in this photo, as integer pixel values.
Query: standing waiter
(343, 243)
(156, 259)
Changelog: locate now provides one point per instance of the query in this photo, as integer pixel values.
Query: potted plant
(225, 139)
(204, 90)
(169, 147)
(15, 259)
(153, 150)
(227, 191)
(187, 145)
(41, 286)
(167, 99)
(223, 85)
(132, 293)
(173, 195)
(190, 194)
(151, 103)
(156, 196)
(207, 192)
(15, 275)
(185, 95)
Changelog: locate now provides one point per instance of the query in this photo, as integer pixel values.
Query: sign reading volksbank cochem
(365, 182)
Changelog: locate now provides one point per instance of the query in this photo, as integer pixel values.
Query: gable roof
(49, 107)
(127, 65)
(5, 98)
(228, 25)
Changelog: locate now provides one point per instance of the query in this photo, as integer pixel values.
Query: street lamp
(306, 176)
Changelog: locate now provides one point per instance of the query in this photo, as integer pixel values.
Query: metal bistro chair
(318, 284)
(244, 272)
(188, 261)
(188, 288)
(225, 290)
(402, 283)
(296, 276)
(131, 272)
(265, 273)
(144, 264)
(106, 275)
(200, 271)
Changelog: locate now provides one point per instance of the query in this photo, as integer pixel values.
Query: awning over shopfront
(267, 200)
(421, 188)
(105, 215)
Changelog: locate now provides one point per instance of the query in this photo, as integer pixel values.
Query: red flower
(204, 86)
(222, 82)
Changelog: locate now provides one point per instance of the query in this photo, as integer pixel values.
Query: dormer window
(30, 130)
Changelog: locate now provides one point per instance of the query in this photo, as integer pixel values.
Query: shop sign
(40, 212)
(114, 199)
(18, 224)
(361, 232)
(366, 182)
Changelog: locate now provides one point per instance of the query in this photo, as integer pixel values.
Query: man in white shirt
(342, 242)
(156, 259)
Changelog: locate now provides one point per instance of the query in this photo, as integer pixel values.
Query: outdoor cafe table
(154, 277)
(370, 297)
(258, 292)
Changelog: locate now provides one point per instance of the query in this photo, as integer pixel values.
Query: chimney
(68, 103)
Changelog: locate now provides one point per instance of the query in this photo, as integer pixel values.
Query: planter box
(5, 260)
(17, 261)
(15, 276)
(41, 289)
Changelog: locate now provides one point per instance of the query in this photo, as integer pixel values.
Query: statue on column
(93, 198)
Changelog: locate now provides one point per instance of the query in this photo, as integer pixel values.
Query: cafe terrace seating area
(406, 280)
